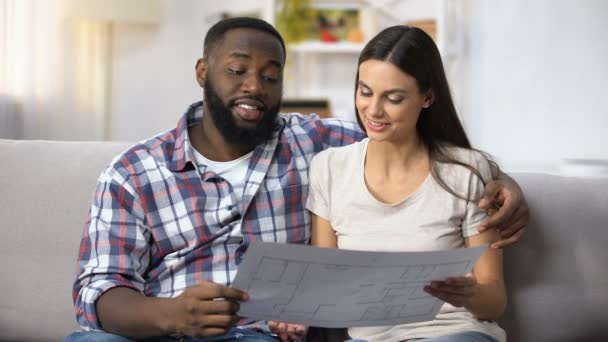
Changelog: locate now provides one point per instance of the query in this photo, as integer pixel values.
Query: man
(172, 217)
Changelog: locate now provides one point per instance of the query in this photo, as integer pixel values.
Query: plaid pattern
(160, 224)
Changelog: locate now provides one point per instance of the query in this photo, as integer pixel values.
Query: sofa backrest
(45, 192)
(556, 276)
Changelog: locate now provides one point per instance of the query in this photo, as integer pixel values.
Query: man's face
(243, 80)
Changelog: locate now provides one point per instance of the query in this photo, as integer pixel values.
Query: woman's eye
(365, 92)
(395, 100)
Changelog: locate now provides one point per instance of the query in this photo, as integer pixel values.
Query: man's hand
(509, 214)
(286, 331)
(208, 309)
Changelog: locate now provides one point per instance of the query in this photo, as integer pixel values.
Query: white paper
(334, 288)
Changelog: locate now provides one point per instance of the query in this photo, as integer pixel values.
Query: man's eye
(235, 71)
(271, 78)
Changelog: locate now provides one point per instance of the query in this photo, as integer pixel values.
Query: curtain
(54, 72)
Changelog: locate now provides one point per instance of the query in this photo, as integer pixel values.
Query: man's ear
(201, 71)
(429, 99)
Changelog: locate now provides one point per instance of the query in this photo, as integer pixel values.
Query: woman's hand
(287, 332)
(457, 291)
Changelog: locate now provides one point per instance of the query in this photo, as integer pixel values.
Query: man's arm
(207, 309)
(114, 256)
(509, 212)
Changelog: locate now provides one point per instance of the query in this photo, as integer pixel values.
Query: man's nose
(251, 84)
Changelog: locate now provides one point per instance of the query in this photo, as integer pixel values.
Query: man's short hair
(217, 31)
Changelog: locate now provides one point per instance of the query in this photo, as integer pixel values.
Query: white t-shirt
(429, 219)
(233, 171)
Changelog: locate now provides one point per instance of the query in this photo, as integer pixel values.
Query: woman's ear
(201, 71)
(429, 99)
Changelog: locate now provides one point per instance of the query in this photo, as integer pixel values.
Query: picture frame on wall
(336, 22)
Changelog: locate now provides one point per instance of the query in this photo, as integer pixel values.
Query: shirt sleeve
(474, 215)
(318, 201)
(325, 133)
(113, 250)
(338, 132)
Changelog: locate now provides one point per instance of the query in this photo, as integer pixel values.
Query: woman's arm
(322, 234)
(483, 294)
(490, 300)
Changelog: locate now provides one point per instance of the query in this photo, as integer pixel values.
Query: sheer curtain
(54, 72)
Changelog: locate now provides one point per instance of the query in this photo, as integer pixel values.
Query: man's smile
(249, 109)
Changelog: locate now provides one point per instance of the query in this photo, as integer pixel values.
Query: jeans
(467, 336)
(235, 334)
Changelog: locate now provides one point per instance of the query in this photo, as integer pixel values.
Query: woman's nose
(374, 108)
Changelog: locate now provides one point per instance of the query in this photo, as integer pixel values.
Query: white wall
(153, 65)
(153, 79)
(529, 76)
(538, 79)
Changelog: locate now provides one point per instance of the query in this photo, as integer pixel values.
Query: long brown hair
(414, 52)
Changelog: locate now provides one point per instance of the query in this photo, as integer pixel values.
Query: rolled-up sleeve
(114, 249)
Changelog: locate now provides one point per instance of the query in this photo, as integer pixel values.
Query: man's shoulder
(298, 120)
(156, 150)
(327, 129)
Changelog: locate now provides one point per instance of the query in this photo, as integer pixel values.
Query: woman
(413, 185)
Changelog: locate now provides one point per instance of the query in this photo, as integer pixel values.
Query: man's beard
(226, 123)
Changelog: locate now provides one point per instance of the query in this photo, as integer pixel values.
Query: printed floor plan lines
(339, 288)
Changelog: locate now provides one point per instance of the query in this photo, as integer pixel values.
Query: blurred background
(529, 77)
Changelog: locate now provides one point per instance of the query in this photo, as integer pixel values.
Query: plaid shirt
(159, 223)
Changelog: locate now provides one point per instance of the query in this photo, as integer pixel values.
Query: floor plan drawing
(338, 288)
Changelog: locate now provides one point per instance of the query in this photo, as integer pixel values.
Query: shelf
(321, 47)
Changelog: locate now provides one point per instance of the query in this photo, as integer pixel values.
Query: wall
(528, 77)
(153, 79)
(537, 77)
(153, 71)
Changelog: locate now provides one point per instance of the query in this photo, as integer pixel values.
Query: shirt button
(239, 257)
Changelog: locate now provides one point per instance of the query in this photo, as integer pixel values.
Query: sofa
(556, 277)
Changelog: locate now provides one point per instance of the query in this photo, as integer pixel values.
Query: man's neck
(209, 142)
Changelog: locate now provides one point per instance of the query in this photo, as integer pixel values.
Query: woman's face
(389, 101)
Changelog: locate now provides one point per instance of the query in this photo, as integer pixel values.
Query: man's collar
(183, 157)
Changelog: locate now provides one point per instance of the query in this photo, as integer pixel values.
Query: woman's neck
(394, 159)
(393, 172)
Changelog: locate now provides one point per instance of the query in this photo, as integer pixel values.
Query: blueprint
(333, 288)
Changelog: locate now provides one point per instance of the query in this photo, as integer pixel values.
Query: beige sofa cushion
(45, 191)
